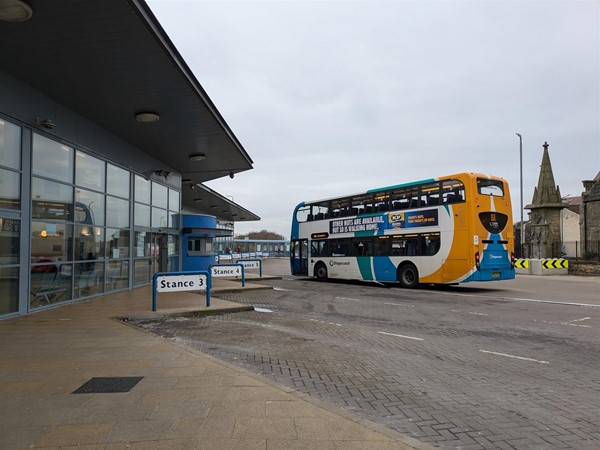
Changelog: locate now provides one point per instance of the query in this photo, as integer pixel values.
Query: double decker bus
(447, 230)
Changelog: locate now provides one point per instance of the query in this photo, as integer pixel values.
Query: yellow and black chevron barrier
(522, 263)
(555, 263)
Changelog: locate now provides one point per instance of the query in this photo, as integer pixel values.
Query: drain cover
(107, 385)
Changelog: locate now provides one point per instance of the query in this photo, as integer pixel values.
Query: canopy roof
(108, 61)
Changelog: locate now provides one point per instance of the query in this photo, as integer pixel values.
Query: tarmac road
(503, 365)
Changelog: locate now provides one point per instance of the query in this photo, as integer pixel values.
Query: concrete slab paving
(185, 399)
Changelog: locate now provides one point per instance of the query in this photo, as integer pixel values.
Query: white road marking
(477, 314)
(521, 299)
(329, 323)
(579, 320)
(346, 298)
(257, 309)
(564, 323)
(399, 304)
(400, 335)
(515, 357)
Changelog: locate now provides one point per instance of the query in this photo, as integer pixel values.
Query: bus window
(340, 247)
(403, 198)
(406, 246)
(381, 247)
(320, 211)
(361, 247)
(432, 244)
(381, 203)
(319, 248)
(430, 194)
(339, 208)
(453, 191)
(303, 213)
(494, 188)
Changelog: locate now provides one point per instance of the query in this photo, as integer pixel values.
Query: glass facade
(80, 237)
(10, 222)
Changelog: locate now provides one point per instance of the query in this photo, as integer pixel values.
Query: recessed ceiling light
(198, 157)
(197, 199)
(15, 11)
(145, 117)
(213, 206)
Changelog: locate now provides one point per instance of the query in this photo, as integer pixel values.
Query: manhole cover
(108, 385)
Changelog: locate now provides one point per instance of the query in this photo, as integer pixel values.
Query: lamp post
(521, 190)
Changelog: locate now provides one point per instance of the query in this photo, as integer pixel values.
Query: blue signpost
(181, 281)
(227, 270)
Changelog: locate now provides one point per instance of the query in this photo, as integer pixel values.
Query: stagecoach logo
(339, 263)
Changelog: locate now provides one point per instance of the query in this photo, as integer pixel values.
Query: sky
(337, 97)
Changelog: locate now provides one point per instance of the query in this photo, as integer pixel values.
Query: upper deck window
(493, 188)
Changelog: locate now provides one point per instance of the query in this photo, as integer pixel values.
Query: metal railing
(577, 250)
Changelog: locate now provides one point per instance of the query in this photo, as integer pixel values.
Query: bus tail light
(477, 262)
(512, 260)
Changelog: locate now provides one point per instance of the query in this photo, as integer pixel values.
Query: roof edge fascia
(151, 22)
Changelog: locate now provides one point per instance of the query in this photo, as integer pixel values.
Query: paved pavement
(183, 398)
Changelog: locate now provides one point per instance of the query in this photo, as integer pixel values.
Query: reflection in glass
(52, 159)
(117, 212)
(89, 207)
(117, 181)
(10, 189)
(173, 200)
(10, 232)
(142, 271)
(50, 242)
(142, 245)
(10, 145)
(159, 218)
(51, 200)
(50, 284)
(142, 190)
(159, 195)
(141, 215)
(117, 243)
(89, 242)
(172, 245)
(9, 290)
(117, 275)
(89, 278)
(89, 171)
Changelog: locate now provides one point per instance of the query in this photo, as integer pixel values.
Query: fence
(578, 250)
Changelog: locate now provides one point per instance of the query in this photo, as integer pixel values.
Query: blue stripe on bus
(384, 269)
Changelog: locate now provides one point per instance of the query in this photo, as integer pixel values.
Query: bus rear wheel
(408, 276)
(321, 272)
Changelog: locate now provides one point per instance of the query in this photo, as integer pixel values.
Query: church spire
(546, 194)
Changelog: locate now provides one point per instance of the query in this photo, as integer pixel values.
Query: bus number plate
(495, 274)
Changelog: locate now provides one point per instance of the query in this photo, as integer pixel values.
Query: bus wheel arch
(407, 275)
(321, 271)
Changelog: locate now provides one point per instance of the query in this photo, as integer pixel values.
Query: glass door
(299, 257)
(151, 255)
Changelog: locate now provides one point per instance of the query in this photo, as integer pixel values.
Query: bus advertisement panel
(447, 230)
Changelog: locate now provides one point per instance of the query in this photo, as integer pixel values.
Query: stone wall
(590, 268)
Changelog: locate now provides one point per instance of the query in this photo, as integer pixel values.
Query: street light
(521, 188)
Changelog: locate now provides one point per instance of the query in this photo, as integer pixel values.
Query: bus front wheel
(321, 272)
(408, 276)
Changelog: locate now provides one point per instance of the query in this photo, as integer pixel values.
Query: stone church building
(556, 229)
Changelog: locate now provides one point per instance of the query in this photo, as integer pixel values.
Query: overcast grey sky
(337, 97)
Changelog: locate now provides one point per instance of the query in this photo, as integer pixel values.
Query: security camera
(230, 174)
(46, 123)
